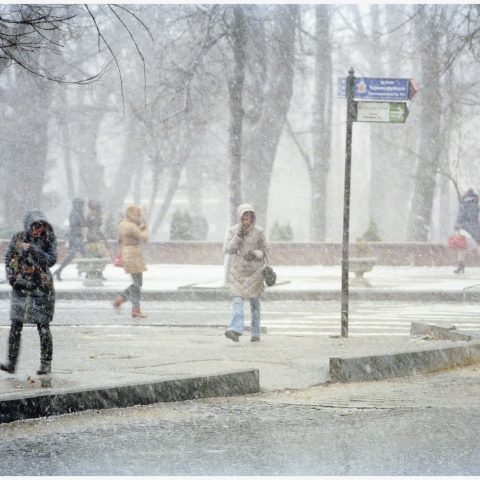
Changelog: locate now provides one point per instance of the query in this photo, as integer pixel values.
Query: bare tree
(321, 129)
(429, 29)
(40, 40)
(268, 106)
(235, 89)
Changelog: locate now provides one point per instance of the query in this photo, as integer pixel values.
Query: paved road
(280, 318)
(425, 425)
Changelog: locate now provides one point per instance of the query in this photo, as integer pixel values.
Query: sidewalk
(107, 366)
(118, 366)
(205, 282)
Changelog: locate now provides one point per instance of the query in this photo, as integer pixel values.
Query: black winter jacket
(30, 270)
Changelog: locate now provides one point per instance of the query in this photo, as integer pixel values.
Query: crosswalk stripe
(333, 321)
(336, 332)
(356, 325)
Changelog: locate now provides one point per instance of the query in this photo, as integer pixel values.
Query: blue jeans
(236, 324)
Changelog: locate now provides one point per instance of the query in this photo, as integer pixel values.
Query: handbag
(269, 276)
(457, 242)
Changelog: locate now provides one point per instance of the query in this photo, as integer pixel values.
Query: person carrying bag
(247, 247)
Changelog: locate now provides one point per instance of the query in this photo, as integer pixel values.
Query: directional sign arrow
(386, 89)
(412, 89)
(381, 112)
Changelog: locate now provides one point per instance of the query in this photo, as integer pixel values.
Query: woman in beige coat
(246, 244)
(132, 234)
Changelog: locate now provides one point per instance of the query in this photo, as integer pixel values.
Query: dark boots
(13, 350)
(7, 367)
(460, 268)
(45, 368)
(46, 349)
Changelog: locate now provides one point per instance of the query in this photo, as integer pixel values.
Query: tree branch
(101, 36)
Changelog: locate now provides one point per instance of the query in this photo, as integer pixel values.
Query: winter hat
(470, 196)
(94, 205)
(245, 207)
(134, 213)
(78, 203)
(34, 216)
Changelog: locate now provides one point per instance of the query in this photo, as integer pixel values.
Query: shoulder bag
(269, 276)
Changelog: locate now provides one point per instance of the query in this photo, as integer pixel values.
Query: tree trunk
(263, 136)
(91, 173)
(183, 150)
(66, 139)
(401, 163)
(381, 160)
(26, 168)
(138, 182)
(321, 129)
(195, 186)
(419, 223)
(122, 180)
(235, 88)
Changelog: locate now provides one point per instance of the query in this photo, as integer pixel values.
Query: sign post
(382, 102)
(346, 198)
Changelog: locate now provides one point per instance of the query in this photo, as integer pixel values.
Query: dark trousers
(31, 307)
(73, 248)
(132, 293)
(14, 339)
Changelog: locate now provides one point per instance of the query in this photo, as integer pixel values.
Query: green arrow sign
(382, 112)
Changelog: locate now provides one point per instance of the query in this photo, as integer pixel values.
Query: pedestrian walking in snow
(468, 225)
(247, 247)
(132, 234)
(29, 257)
(96, 243)
(75, 235)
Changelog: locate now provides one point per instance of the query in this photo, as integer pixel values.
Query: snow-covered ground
(315, 277)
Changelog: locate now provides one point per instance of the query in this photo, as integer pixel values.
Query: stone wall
(314, 253)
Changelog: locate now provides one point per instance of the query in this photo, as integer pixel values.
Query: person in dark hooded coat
(30, 255)
(75, 235)
(468, 225)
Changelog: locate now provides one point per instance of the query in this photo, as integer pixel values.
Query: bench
(93, 269)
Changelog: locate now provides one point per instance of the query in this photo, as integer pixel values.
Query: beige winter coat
(244, 277)
(132, 233)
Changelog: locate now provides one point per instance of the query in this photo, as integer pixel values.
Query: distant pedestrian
(246, 246)
(29, 257)
(96, 241)
(468, 225)
(75, 235)
(132, 234)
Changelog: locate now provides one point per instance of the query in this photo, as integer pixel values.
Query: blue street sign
(394, 89)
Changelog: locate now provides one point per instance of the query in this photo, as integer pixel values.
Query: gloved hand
(249, 256)
(241, 233)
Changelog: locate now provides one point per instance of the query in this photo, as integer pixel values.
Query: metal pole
(346, 202)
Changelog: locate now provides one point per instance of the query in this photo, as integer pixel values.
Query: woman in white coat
(246, 245)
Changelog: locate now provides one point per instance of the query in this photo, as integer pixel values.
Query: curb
(210, 294)
(69, 401)
(380, 367)
(436, 332)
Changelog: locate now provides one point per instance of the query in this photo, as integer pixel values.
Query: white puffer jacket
(244, 277)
